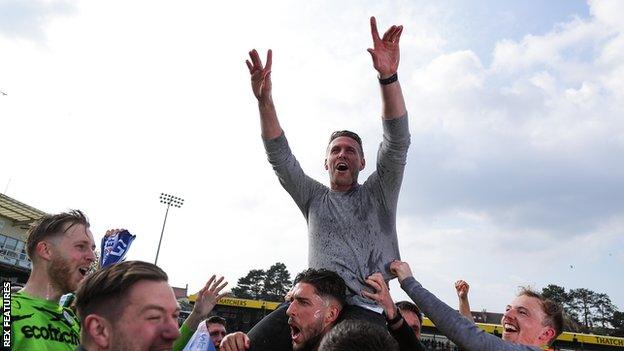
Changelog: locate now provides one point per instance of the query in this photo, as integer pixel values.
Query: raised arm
(207, 298)
(386, 55)
(462, 293)
(448, 321)
(261, 86)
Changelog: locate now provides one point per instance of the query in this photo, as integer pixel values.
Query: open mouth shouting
(342, 167)
(83, 270)
(295, 333)
(510, 330)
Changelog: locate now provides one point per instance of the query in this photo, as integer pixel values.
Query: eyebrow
(84, 241)
(301, 299)
(157, 307)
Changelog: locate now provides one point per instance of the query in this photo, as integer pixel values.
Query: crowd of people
(341, 302)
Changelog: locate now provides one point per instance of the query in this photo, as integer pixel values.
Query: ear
(326, 166)
(363, 164)
(547, 335)
(43, 249)
(333, 311)
(98, 329)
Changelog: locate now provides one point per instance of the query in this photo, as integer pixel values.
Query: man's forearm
(193, 320)
(393, 104)
(464, 308)
(269, 124)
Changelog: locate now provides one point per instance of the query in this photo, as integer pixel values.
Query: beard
(59, 272)
(311, 344)
(120, 341)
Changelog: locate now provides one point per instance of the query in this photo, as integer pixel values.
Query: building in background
(15, 219)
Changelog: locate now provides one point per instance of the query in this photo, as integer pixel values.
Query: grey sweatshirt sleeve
(458, 329)
(391, 160)
(289, 172)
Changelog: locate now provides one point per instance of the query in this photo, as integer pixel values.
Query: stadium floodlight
(168, 200)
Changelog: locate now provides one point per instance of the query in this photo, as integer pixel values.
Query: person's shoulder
(20, 300)
(23, 297)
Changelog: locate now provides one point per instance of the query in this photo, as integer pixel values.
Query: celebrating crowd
(341, 302)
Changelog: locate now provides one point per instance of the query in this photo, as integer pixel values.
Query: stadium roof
(18, 212)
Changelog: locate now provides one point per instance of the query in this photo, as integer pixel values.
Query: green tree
(185, 304)
(582, 302)
(251, 285)
(270, 285)
(276, 283)
(558, 294)
(586, 310)
(617, 321)
(603, 310)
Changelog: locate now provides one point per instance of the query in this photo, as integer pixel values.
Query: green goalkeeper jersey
(38, 324)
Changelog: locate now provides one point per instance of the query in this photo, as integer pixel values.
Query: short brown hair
(104, 291)
(552, 310)
(409, 306)
(348, 134)
(216, 320)
(51, 226)
(326, 283)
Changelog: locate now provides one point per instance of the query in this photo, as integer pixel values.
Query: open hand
(209, 295)
(260, 76)
(385, 51)
(381, 294)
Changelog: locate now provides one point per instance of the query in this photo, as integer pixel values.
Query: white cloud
(608, 12)
(566, 44)
(27, 19)
(513, 164)
(449, 73)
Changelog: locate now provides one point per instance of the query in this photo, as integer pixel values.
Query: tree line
(587, 311)
(269, 285)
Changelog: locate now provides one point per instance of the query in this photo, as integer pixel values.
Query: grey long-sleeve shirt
(352, 233)
(456, 327)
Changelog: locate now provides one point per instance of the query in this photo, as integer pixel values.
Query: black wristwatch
(394, 320)
(385, 81)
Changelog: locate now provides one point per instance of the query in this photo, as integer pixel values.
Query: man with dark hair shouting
(351, 226)
(316, 301)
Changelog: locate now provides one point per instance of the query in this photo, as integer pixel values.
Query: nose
(291, 309)
(510, 313)
(91, 256)
(170, 330)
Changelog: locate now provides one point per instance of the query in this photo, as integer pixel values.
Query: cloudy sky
(514, 177)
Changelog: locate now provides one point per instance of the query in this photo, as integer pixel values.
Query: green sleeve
(185, 336)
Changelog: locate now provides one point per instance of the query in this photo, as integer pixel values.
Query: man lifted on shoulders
(351, 226)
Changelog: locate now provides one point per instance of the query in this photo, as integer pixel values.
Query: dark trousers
(272, 333)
